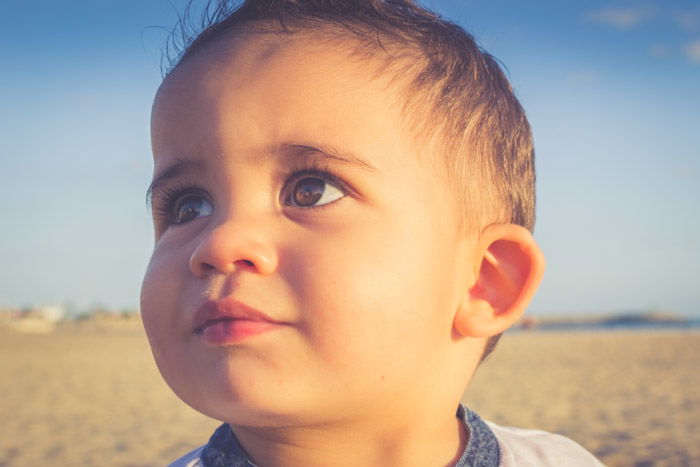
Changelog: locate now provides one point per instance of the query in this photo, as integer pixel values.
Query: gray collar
(223, 449)
(482, 449)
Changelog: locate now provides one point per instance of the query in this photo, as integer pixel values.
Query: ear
(511, 266)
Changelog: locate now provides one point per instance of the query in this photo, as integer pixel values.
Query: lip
(228, 321)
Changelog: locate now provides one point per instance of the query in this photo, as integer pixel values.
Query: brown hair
(456, 95)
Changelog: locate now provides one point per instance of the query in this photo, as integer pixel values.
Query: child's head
(455, 96)
(335, 199)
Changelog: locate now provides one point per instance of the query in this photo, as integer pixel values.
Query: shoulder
(191, 459)
(522, 448)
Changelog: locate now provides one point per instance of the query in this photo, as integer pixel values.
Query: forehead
(272, 87)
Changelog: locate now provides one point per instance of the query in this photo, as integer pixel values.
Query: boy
(342, 196)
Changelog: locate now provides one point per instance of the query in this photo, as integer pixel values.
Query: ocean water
(615, 324)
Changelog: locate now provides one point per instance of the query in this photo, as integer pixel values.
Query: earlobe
(510, 268)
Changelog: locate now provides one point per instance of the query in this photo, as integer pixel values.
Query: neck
(406, 441)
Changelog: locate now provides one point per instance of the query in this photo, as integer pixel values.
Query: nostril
(207, 268)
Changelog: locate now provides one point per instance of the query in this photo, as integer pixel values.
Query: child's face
(287, 183)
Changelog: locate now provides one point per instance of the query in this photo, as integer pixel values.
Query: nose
(228, 247)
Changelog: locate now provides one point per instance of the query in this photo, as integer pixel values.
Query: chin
(239, 403)
(254, 414)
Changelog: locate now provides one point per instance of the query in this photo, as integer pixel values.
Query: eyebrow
(174, 170)
(327, 151)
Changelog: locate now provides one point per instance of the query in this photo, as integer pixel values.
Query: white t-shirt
(525, 448)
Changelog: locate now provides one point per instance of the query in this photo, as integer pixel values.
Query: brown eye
(308, 191)
(311, 191)
(191, 207)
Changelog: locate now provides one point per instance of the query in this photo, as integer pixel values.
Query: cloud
(658, 50)
(692, 51)
(689, 21)
(622, 18)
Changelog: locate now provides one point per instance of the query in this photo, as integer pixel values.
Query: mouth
(228, 321)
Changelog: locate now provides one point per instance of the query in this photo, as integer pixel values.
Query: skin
(384, 316)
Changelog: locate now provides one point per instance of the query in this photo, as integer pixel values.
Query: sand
(94, 397)
(632, 398)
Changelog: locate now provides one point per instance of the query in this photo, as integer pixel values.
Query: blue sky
(612, 90)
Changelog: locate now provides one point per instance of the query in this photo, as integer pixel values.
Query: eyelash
(315, 169)
(164, 203)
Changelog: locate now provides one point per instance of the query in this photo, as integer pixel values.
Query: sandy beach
(91, 396)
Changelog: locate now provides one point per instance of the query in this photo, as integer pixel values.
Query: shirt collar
(223, 449)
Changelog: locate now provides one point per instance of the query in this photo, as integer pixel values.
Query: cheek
(373, 287)
(162, 298)
(160, 295)
(151, 311)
